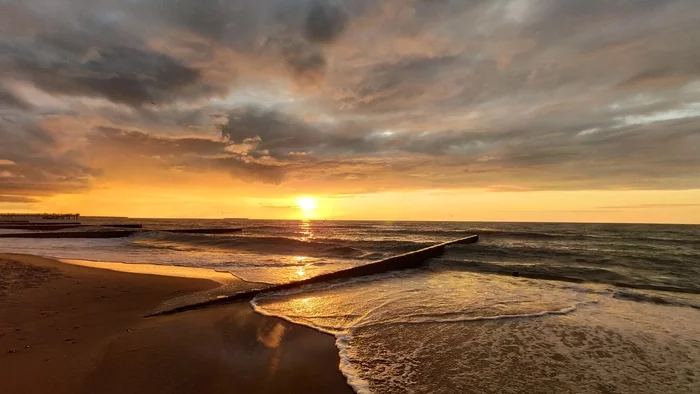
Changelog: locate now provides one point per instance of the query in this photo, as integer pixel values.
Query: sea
(530, 308)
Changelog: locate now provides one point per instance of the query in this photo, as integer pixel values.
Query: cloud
(353, 96)
(35, 163)
(250, 170)
(325, 21)
(644, 206)
(263, 32)
(121, 74)
(18, 199)
(117, 141)
(304, 61)
(527, 156)
(280, 207)
(10, 100)
(241, 160)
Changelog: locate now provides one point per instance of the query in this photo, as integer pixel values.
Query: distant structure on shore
(28, 217)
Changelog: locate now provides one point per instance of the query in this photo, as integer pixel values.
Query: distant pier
(28, 217)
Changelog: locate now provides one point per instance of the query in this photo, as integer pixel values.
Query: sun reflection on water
(306, 306)
(306, 230)
(301, 271)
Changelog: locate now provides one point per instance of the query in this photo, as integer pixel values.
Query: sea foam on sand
(456, 332)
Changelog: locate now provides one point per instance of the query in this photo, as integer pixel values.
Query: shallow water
(619, 311)
(453, 332)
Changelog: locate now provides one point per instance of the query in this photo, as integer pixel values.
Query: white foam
(375, 303)
(442, 331)
(352, 375)
(343, 338)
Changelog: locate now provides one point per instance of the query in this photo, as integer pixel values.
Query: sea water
(594, 307)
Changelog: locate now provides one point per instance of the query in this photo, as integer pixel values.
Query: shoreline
(83, 329)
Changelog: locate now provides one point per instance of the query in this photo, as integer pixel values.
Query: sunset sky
(511, 110)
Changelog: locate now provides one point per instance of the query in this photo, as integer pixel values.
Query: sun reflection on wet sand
(272, 340)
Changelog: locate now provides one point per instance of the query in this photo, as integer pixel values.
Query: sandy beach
(74, 329)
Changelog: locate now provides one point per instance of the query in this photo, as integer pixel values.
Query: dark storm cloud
(103, 50)
(391, 85)
(236, 22)
(118, 73)
(282, 134)
(212, 18)
(276, 130)
(325, 21)
(305, 62)
(289, 30)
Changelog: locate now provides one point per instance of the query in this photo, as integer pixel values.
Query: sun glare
(306, 204)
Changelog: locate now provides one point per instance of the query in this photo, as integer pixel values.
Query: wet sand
(75, 329)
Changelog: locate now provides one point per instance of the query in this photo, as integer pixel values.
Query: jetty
(203, 230)
(51, 222)
(38, 226)
(47, 225)
(71, 234)
(404, 261)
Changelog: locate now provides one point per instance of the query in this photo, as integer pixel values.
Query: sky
(509, 110)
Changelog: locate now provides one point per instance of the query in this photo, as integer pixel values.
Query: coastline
(82, 329)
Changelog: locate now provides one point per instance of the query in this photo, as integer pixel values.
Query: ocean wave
(458, 317)
(594, 255)
(567, 273)
(343, 251)
(546, 272)
(659, 287)
(262, 244)
(655, 299)
(674, 241)
(275, 244)
(673, 238)
(233, 265)
(291, 225)
(485, 232)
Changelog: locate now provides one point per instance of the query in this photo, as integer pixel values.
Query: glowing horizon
(392, 110)
(434, 205)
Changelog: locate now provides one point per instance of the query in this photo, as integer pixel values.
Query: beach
(74, 329)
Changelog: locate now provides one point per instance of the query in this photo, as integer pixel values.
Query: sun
(306, 204)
